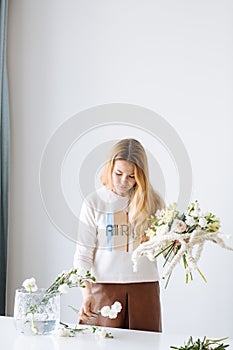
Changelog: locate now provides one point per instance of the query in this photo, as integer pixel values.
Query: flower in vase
(30, 285)
(36, 309)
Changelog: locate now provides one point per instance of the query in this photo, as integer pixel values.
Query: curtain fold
(4, 154)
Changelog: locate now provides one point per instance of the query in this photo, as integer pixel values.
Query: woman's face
(123, 178)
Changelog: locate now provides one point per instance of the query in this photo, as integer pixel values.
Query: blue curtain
(4, 154)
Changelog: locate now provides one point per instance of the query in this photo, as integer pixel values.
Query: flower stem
(163, 250)
(169, 252)
(201, 274)
(74, 309)
(169, 276)
(34, 329)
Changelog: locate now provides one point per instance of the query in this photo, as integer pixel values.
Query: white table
(10, 339)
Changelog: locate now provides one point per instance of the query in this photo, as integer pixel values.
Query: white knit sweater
(106, 240)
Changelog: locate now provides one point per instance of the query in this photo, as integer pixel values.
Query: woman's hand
(87, 307)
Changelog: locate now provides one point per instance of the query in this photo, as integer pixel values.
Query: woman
(113, 221)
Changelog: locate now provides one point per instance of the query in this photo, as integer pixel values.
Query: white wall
(172, 57)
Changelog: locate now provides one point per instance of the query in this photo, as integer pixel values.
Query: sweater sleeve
(86, 238)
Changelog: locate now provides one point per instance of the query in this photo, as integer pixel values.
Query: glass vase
(36, 313)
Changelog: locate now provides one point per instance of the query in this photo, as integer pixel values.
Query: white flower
(162, 230)
(101, 332)
(63, 288)
(74, 278)
(116, 306)
(189, 220)
(112, 314)
(63, 332)
(178, 226)
(196, 206)
(202, 222)
(111, 311)
(195, 213)
(166, 218)
(63, 273)
(81, 271)
(30, 284)
(105, 311)
(159, 212)
(150, 233)
(196, 210)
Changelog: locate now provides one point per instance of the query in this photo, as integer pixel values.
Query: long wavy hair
(144, 200)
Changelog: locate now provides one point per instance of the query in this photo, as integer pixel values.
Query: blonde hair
(144, 201)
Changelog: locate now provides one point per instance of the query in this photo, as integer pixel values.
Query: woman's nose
(124, 178)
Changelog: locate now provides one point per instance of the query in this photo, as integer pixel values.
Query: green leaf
(205, 344)
(217, 340)
(168, 279)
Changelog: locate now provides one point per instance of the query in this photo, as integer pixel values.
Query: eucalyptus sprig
(204, 344)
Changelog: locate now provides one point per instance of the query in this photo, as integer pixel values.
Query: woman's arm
(88, 305)
(83, 258)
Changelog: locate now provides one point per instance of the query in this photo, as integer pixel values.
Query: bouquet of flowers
(179, 236)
